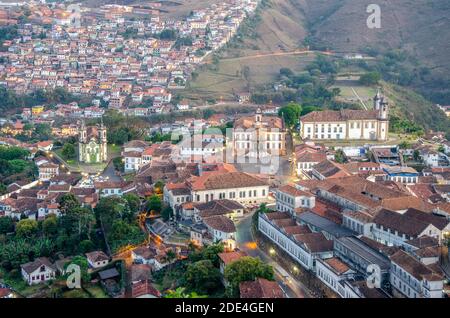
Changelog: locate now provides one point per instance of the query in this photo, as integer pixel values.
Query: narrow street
(110, 172)
(246, 242)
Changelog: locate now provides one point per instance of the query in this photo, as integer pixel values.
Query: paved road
(110, 172)
(292, 287)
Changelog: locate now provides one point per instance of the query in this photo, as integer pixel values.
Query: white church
(348, 124)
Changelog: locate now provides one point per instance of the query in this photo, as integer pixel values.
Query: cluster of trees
(11, 100)
(117, 217)
(121, 129)
(340, 156)
(290, 113)
(308, 87)
(73, 233)
(183, 41)
(245, 269)
(154, 203)
(167, 34)
(405, 126)
(78, 230)
(199, 275)
(203, 276)
(69, 151)
(14, 166)
(8, 32)
(370, 79)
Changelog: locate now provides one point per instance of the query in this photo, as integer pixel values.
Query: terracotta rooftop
(260, 288)
(230, 257)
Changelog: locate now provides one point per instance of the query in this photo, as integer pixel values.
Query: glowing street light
(272, 251)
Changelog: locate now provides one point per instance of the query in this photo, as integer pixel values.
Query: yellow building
(36, 110)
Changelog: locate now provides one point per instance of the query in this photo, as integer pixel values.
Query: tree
(68, 202)
(158, 187)
(26, 228)
(246, 269)
(168, 34)
(207, 113)
(290, 113)
(371, 78)
(50, 225)
(68, 151)
(284, 71)
(123, 233)
(134, 203)
(43, 131)
(119, 164)
(210, 252)
(154, 203)
(170, 256)
(416, 155)
(84, 265)
(340, 156)
(202, 277)
(6, 225)
(167, 213)
(180, 293)
(110, 209)
(86, 246)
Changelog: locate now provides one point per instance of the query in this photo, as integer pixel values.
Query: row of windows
(292, 249)
(274, 137)
(254, 145)
(232, 195)
(317, 136)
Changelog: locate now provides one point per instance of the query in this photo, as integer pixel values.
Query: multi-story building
(238, 186)
(348, 124)
(259, 136)
(291, 199)
(48, 170)
(298, 241)
(413, 279)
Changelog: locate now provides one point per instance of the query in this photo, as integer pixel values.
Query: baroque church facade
(92, 143)
(348, 124)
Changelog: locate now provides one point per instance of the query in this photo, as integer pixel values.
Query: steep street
(246, 242)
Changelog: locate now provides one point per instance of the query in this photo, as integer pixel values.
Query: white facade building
(348, 124)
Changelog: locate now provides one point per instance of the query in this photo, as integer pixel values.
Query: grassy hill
(417, 28)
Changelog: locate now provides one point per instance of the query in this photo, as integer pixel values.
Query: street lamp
(272, 251)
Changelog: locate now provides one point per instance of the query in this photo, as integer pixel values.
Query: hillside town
(112, 53)
(364, 220)
(115, 182)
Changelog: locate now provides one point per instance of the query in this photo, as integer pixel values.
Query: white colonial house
(412, 279)
(47, 171)
(133, 161)
(39, 271)
(222, 230)
(238, 186)
(290, 199)
(97, 259)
